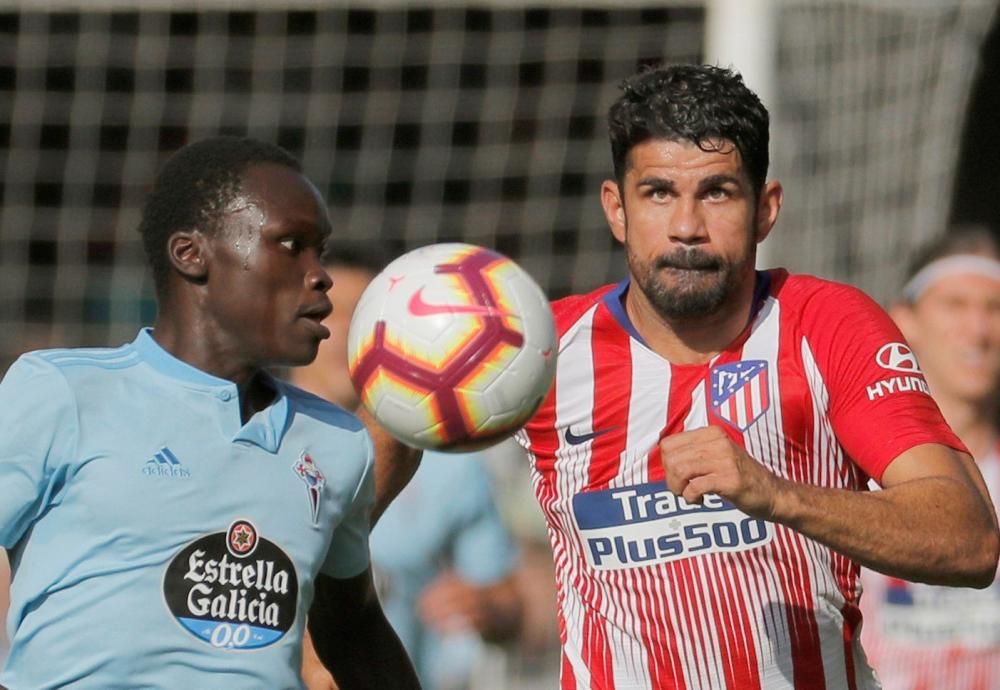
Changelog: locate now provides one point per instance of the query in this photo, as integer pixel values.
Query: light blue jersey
(445, 518)
(156, 540)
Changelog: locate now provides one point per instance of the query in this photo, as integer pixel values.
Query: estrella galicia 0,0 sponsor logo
(233, 589)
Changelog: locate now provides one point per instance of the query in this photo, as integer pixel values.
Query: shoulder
(70, 366)
(321, 410)
(569, 310)
(810, 298)
(100, 358)
(803, 289)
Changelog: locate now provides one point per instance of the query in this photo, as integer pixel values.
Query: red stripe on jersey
(683, 380)
(612, 365)
(741, 663)
(852, 619)
(597, 652)
(686, 606)
(658, 632)
(797, 404)
(567, 679)
(793, 574)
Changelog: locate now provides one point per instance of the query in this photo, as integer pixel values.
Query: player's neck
(201, 351)
(693, 340)
(198, 345)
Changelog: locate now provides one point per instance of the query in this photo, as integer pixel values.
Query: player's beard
(698, 286)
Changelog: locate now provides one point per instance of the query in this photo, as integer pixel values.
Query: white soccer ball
(452, 347)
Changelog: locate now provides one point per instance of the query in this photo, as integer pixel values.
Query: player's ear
(614, 208)
(768, 207)
(188, 251)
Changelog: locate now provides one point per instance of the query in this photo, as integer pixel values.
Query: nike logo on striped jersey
(577, 439)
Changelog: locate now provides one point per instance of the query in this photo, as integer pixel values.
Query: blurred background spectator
(919, 636)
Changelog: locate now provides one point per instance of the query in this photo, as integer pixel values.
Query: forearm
(933, 522)
(923, 530)
(353, 639)
(363, 654)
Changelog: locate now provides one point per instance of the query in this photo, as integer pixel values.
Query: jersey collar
(614, 300)
(265, 429)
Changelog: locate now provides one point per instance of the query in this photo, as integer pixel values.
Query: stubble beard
(701, 284)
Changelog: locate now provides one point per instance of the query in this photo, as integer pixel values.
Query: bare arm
(452, 604)
(395, 464)
(909, 530)
(353, 638)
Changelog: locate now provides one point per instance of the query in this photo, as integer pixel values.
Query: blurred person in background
(444, 562)
(918, 636)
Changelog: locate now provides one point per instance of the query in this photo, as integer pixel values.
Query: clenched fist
(707, 461)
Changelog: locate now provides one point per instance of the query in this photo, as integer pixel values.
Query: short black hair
(696, 103)
(193, 188)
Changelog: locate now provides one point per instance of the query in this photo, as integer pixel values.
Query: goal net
(442, 122)
(871, 99)
(419, 124)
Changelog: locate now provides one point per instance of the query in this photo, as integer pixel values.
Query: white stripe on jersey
(647, 412)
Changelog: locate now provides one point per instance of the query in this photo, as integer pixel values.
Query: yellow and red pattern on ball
(437, 354)
(497, 275)
(470, 389)
(385, 385)
(383, 361)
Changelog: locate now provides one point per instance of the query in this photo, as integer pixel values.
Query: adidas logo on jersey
(165, 464)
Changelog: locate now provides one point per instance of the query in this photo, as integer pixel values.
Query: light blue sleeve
(348, 554)
(38, 432)
(483, 551)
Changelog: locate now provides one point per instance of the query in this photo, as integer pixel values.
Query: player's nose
(687, 223)
(316, 276)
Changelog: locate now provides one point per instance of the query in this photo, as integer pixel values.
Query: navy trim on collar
(614, 300)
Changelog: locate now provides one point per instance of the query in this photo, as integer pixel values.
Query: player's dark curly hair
(696, 103)
(194, 187)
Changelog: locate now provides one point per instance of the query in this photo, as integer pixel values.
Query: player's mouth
(690, 260)
(313, 316)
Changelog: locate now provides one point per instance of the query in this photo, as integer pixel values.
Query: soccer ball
(452, 347)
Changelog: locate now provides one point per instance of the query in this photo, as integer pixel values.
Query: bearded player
(703, 455)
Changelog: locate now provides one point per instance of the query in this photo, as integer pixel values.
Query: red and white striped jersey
(921, 637)
(656, 593)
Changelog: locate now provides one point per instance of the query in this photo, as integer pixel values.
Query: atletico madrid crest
(314, 480)
(740, 392)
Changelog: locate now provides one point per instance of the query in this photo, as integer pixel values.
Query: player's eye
(292, 244)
